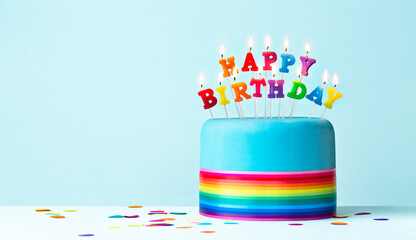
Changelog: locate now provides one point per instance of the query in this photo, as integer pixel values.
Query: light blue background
(99, 104)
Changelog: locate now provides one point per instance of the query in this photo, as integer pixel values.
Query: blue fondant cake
(268, 169)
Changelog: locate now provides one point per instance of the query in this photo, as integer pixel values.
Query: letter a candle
(316, 95)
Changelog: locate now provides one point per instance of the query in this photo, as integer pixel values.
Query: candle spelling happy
(223, 62)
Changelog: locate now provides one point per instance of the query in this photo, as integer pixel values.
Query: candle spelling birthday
(273, 88)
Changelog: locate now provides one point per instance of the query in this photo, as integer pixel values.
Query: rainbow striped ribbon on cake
(267, 196)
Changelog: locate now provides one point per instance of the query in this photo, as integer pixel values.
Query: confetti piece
(71, 211)
(183, 227)
(135, 225)
(57, 216)
(159, 224)
(230, 222)
(52, 213)
(116, 216)
(135, 206)
(168, 219)
(341, 216)
(132, 216)
(363, 213)
(339, 223)
(205, 223)
(42, 210)
(157, 220)
(207, 231)
(157, 211)
(381, 219)
(86, 235)
(178, 213)
(295, 224)
(194, 220)
(115, 227)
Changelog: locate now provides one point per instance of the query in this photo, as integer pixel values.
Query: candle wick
(222, 55)
(267, 48)
(250, 49)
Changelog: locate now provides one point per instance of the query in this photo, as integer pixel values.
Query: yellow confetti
(115, 227)
(135, 225)
(70, 210)
(42, 210)
(135, 206)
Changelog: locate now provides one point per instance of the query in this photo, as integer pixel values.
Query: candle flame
(222, 50)
(325, 77)
(220, 78)
(274, 70)
(298, 71)
(250, 43)
(307, 48)
(235, 72)
(286, 44)
(201, 80)
(267, 42)
(260, 68)
(335, 80)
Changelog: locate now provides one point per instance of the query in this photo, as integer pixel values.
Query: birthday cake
(267, 169)
(276, 167)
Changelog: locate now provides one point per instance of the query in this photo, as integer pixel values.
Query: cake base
(240, 218)
(267, 196)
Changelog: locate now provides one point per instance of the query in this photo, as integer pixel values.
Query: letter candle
(257, 94)
(274, 71)
(306, 64)
(298, 72)
(207, 96)
(332, 95)
(316, 95)
(222, 50)
(286, 46)
(221, 91)
(240, 90)
(269, 57)
(250, 62)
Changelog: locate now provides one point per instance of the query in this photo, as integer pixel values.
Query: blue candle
(287, 60)
(316, 95)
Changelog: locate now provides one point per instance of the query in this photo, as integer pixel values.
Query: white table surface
(24, 223)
